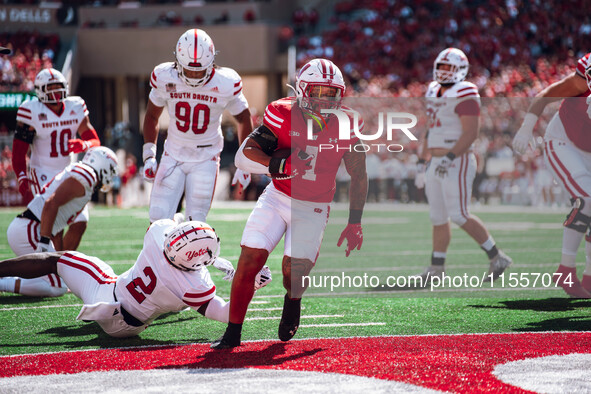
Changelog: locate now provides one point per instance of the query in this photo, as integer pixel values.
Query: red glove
(76, 145)
(298, 163)
(354, 235)
(24, 188)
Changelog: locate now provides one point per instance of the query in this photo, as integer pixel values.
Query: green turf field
(396, 242)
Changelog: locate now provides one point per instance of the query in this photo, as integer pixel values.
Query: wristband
(530, 121)
(149, 151)
(355, 216)
(451, 156)
(44, 240)
(276, 165)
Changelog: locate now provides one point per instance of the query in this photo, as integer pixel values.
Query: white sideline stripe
(302, 317)
(40, 307)
(344, 324)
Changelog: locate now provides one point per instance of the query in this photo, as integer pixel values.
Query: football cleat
(566, 277)
(290, 318)
(431, 271)
(225, 343)
(498, 265)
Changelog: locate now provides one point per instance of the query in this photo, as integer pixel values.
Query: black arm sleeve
(265, 138)
(24, 133)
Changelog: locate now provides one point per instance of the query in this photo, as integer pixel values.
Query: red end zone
(457, 363)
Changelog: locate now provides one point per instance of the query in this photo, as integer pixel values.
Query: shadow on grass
(570, 323)
(261, 355)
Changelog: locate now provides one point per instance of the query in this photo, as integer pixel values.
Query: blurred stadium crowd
(386, 48)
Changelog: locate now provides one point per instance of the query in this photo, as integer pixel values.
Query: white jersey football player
(169, 275)
(59, 202)
(567, 151)
(49, 125)
(453, 107)
(195, 93)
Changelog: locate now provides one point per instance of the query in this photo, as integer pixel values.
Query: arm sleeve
(19, 156)
(91, 136)
(247, 165)
(197, 297)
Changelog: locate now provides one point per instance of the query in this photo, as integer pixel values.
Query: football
(282, 154)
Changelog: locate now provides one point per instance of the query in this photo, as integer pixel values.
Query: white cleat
(498, 265)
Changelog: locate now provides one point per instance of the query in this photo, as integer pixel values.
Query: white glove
(420, 176)
(150, 167)
(263, 278)
(589, 107)
(45, 245)
(226, 267)
(441, 169)
(241, 177)
(525, 135)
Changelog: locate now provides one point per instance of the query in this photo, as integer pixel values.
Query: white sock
(439, 255)
(218, 309)
(571, 240)
(7, 284)
(488, 244)
(40, 287)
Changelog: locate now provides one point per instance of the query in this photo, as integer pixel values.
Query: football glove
(420, 176)
(263, 278)
(76, 145)
(525, 135)
(150, 167)
(444, 164)
(354, 235)
(298, 163)
(226, 267)
(241, 177)
(24, 188)
(45, 245)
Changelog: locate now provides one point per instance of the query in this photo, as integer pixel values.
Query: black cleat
(225, 343)
(290, 318)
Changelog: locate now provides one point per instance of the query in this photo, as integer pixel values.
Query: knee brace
(577, 220)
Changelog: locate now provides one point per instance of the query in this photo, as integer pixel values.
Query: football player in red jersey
(567, 150)
(296, 203)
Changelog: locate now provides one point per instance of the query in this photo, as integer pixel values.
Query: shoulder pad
(160, 72)
(277, 113)
(465, 89)
(83, 174)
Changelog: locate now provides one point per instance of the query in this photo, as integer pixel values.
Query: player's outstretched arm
(88, 137)
(353, 233)
(150, 130)
(571, 86)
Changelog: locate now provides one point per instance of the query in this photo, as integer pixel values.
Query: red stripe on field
(456, 363)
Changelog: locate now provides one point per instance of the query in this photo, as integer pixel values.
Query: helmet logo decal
(196, 253)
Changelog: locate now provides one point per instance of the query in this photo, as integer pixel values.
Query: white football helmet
(191, 245)
(323, 73)
(104, 162)
(47, 77)
(458, 62)
(195, 52)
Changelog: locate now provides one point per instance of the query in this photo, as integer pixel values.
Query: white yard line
(302, 317)
(344, 324)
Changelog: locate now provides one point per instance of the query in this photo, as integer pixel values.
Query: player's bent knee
(460, 220)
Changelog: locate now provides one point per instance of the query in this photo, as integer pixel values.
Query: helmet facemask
(588, 76)
(194, 82)
(51, 86)
(317, 97)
